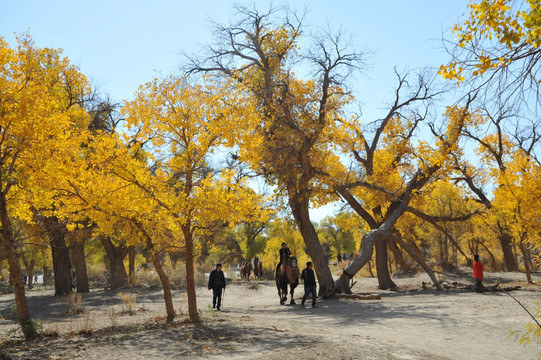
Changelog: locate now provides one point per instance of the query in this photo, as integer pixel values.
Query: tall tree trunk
(46, 275)
(60, 255)
(300, 209)
(115, 255)
(25, 320)
(190, 273)
(526, 258)
(77, 249)
(384, 278)
(507, 249)
(131, 262)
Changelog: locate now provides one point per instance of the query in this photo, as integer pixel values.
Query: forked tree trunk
(23, 313)
(384, 278)
(77, 249)
(190, 273)
(115, 255)
(60, 255)
(365, 254)
(300, 209)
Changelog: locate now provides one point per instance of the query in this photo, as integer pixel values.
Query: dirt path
(415, 324)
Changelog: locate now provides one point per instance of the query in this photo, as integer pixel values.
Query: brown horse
(258, 269)
(245, 270)
(288, 274)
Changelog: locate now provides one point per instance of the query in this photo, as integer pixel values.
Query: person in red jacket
(478, 269)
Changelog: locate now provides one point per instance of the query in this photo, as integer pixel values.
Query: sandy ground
(410, 324)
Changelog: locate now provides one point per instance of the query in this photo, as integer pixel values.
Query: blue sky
(120, 44)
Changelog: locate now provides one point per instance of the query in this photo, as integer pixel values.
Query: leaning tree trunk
(115, 255)
(384, 278)
(23, 313)
(363, 257)
(77, 249)
(365, 254)
(399, 257)
(492, 257)
(416, 255)
(300, 209)
(60, 255)
(507, 249)
(190, 273)
(155, 258)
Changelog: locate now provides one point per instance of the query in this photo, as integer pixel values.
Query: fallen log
(358, 296)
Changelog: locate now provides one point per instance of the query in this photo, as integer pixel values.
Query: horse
(258, 269)
(288, 274)
(245, 270)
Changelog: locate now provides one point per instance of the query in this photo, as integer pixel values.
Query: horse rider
(284, 253)
(256, 261)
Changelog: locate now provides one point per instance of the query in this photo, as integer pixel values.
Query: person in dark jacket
(309, 280)
(217, 283)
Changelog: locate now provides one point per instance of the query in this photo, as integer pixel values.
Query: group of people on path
(217, 279)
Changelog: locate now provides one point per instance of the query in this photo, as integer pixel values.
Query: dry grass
(76, 304)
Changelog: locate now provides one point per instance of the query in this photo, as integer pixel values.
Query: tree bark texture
(115, 255)
(155, 258)
(399, 257)
(60, 254)
(131, 262)
(46, 278)
(507, 249)
(363, 257)
(384, 278)
(190, 273)
(23, 312)
(300, 210)
(77, 249)
(526, 259)
(29, 268)
(416, 255)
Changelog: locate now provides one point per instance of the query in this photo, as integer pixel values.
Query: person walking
(217, 283)
(309, 280)
(478, 269)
